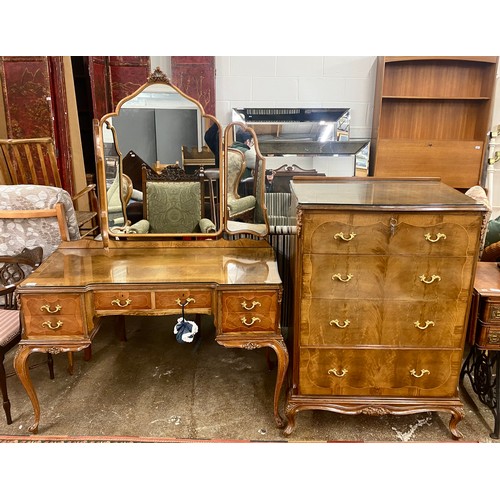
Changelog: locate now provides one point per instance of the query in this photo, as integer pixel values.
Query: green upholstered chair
(173, 201)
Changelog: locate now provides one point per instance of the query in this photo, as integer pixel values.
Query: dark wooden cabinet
(431, 117)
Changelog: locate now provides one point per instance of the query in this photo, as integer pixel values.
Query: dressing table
(224, 274)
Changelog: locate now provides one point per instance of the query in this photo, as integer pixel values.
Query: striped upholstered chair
(34, 219)
(13, 269)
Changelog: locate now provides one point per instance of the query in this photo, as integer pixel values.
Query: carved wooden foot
(456, 417)
(290, 412)
(282, 354)
(21, 366)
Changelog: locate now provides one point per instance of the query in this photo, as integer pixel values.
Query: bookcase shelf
(431, 117)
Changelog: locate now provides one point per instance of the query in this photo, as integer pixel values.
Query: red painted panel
(195, 76)
(27, 97)
(127, 74)
(99, 84)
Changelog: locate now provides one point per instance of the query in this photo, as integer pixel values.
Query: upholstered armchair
(115, 205)
(35, 230)
(239, 208)
(173, 201)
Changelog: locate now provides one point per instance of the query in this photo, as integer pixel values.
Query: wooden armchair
(33, 161)
(173, 201)
(13, 269)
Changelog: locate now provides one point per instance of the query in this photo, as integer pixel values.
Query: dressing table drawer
(54, 327)
(122, 301)
(46, 305)
(249, 312)
(191, 298)
(53, 316)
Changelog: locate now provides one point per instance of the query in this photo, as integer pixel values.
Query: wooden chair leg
(120, 328)
(270, 362)
(3, 386)
(87, 353)
(50, 364)
(70, 362)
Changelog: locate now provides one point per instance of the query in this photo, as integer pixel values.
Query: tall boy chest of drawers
(383, 277)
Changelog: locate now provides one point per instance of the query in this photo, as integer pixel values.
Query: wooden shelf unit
(432, 116)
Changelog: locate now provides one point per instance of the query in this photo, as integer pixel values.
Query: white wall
(298, 81)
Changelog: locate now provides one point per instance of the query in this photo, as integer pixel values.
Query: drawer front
(51, 305)
(122, 301)
(191, 298)
(54, 327)
(378, 323)
(365, 372)
(249, 311)
(391, 233)
(389, 277)
(53, 316)
(490, 311)
(488, 336)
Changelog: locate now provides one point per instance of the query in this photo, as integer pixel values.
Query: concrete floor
(153, 386)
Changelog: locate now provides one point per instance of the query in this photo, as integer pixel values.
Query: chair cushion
(9, 325)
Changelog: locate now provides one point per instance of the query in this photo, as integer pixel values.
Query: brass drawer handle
(48, 324)
(423, 327)
(429, 238)
(413, 373)
(333, 371)
(344, 238)
(339, 277)
(117, 302)
(249, 308)
(47, 308)
(433, 278)
(188, 300)
(253, 320)
(336, 322)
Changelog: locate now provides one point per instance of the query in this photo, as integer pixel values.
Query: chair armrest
(7, 290)
(87, 190)
(207, 226)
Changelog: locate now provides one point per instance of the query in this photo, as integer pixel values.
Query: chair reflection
(174, 201)
(239, 208)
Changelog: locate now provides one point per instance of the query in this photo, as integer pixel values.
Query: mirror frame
(157, 77)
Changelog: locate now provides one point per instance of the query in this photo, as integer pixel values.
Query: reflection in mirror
(155, 128)
(116, 191)
(245, 207)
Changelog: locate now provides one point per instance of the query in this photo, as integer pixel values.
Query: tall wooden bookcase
(431, 117)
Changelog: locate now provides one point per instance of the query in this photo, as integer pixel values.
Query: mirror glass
(245, 174)
(161, 177)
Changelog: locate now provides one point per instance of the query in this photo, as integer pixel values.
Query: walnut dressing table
(383, 278)
(145, 272)
(235, 281)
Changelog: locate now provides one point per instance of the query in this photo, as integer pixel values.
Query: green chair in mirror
(174, 202)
